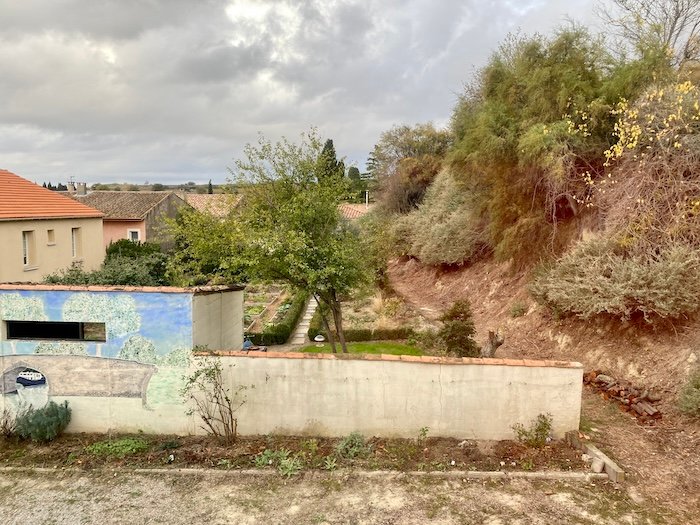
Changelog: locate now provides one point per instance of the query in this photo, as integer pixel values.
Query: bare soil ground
(663, 459)
(338, 498)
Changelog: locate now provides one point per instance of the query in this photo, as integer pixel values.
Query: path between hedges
(300, 336)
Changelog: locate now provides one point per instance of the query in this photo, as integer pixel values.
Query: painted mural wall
(131, 380)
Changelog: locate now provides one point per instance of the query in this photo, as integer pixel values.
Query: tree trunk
(495, 340)
(322, 310)
(338, 319)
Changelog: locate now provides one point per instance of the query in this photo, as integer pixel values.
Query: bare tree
(675, 24)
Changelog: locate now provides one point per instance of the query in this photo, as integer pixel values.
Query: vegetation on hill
(555, 135)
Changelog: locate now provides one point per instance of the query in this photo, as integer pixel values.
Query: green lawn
(368, 347)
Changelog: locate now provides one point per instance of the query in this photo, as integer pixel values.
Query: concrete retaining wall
(326, 395)
(392, 396)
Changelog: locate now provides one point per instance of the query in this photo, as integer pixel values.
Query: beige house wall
(217, 320)
(47, 257)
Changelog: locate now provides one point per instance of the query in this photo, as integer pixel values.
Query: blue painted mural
(145, 344)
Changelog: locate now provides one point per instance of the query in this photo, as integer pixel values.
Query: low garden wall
(331, 395)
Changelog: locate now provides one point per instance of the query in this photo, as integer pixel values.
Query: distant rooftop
(218, 204)
(23, 199)
(354, 211)
(124, 205)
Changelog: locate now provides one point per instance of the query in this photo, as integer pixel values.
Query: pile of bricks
(637, 401)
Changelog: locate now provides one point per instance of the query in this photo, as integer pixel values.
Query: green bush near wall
(361, 334)
(279, 333)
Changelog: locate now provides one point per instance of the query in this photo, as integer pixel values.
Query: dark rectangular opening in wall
(56, 330)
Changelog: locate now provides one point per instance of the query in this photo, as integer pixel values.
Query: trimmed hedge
(279, 333)
(354, 335)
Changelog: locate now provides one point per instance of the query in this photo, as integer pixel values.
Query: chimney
(71, 187)
(82, 188)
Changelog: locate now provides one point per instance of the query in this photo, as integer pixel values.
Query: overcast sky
(170, 90)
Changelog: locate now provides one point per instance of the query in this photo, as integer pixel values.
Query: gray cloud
(171, 90)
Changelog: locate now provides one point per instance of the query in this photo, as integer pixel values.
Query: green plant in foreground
(118, 448)
(289, 467)
(43, 424)
(538, 434)
(330, 463)
(353, 446)
(689, 401)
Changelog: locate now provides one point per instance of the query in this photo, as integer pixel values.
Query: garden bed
(424, 453)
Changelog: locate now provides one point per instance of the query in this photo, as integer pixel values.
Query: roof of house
(218, 204)
(353, 211)
(23, 199)
(124, 205)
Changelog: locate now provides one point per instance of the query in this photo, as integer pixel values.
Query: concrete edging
(450, 474)
(612, 469)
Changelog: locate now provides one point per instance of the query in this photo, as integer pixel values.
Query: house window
(76, 242)
(134, 235)
(28, 248)
(56, 331)
(50, 237)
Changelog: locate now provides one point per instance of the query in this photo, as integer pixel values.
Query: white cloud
(171, 90)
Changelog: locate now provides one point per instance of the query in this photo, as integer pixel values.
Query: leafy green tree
(158, 187)
(358, 186)
(407, 142)
(208, 249)
(329, 165)
(405, 161)
(293, 228)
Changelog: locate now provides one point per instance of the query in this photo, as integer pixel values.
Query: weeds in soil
(538, 434)
(353, 446)
(518, 310)
(119, 448)
(8, 423)
(289, 467)
(330, 463)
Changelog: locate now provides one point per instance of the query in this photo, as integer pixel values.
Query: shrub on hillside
(458, 330)
(445, 229)
(689, 401)
(596, 278)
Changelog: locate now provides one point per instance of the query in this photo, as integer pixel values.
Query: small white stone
(587, 458)
(692, 358)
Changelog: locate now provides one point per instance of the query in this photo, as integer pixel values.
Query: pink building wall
(115, 230)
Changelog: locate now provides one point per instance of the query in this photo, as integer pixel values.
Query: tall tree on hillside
(674, 24)
(292, 224)
(210, 188)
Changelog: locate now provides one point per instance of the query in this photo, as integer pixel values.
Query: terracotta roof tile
(218, 204)
(124, 205)
(22, 199)
(353, 211)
